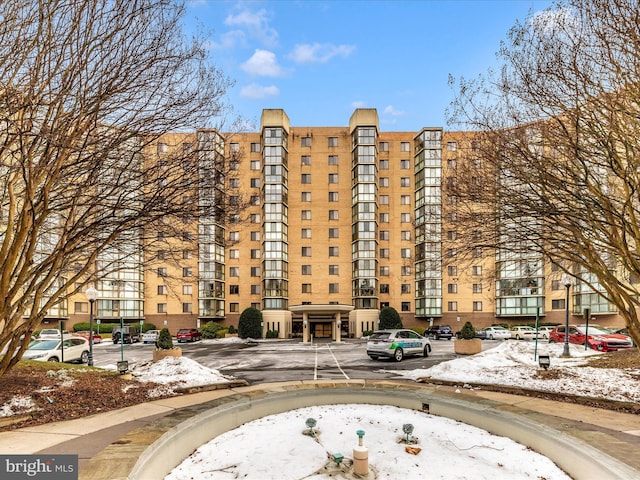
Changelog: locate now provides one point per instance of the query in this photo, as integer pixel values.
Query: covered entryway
(321, 321)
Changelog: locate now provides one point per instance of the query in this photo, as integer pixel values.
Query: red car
(188, 335)
(598, 339)
(96, 338)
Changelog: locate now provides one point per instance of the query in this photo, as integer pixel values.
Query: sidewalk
(614, 434)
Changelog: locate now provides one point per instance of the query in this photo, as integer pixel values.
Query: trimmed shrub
(467, 332)
(232, 329)
(211, 329)
(273, 333)
(390, 318)
(250, 322)
(165, 342)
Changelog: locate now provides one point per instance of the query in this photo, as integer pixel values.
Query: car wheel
(53, 359)
(398, 355)
(374, 357)
(84, 358)
(551, 340)
(426, 351)
(545, 337)
(490, 337)
(517, 337)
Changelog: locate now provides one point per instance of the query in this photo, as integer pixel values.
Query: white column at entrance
(338, 328)
(305, 327)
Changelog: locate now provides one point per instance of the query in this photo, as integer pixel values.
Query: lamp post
(92, 295)
(566, 280)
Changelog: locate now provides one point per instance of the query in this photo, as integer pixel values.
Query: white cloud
(255, 24)
(263, 63)
(390, 110)
(549, 22)
(319, 52)
(358, 104)
(229, 40)
(257, 91)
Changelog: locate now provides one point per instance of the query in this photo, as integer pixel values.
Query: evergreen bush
(211, 329)
(250, 322)
(468, 332)
(390, 318)
(165, 342)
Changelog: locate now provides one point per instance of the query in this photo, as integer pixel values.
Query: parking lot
(284, 360)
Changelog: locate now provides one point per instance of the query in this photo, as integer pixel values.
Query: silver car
(74, 349)
(396, 344)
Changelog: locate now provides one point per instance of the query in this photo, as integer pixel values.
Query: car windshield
(44, 345)
(498, 328)
(49, 332)
(379, 335)
(592, 330)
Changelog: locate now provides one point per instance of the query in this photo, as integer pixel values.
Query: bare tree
(87, 89)
(557, 130)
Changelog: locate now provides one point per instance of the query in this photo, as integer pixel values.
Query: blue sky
(319, 59)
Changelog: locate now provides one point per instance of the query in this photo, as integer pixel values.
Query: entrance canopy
(331, 310)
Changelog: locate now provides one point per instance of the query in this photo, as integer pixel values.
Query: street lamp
(92, 295)
(566, 280)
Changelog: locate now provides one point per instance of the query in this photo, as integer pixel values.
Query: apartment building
(336, 223)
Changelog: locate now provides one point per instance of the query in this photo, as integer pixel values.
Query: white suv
(74, 349)
(396, 343)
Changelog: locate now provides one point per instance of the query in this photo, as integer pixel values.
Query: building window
(384, 253)
(334, 288)
(81, 307)
(305, 160)
(384, 164)
(255, 147)
(254, 218)
(305, 141)
(405, 147)
(333, 252)
(255, 182)
(384, 218)
(405, 288)
(384, 146)
(405, 270)
(556, 285)
(333, 232)
(405, 182)
(452, 252)
(305, 197)
(477, 252)
(306, 251)
(254, 200)
(405, 253)
(405, 200)
(162, 308)
(405, 164)
(333, 159)
(384, 181)
(305, 214)
(452, 235)
(333, 196)
(384, 271)
(162, 147)
(162, 289)
(306, 269)
(477, 288)
(384, 288)
(162, 271)
(452, 288)
(305, 178)
(333, 141)
(254, 165)
(234, 217)
(305, 233)
(187, 236)
(333, 214)
(306, 288)
(405, 218)
(405, 235)
(255, 289)
(234, 271)
(162, 254)
(255, 271)
(334, 270)
(234, 253)
(333, 178)
(187, 289)
(476, 270)
(187, 254)
(557, 304)
(405, 306)
(234, 307)
(384, 234)
(452, 146)
(452, 270)
(255, 236)
(234, 236)
(452, 306)
(384, 199)
(255, 253)
(234, 289)
(452, 163)
(477, 306)
(234, 183)
(187, 307)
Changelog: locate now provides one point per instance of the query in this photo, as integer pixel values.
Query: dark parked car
(125, 334)
(439, 331)
(188, 335)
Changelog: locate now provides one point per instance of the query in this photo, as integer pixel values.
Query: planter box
(230, 335)
(467, 347)
(171, 352)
